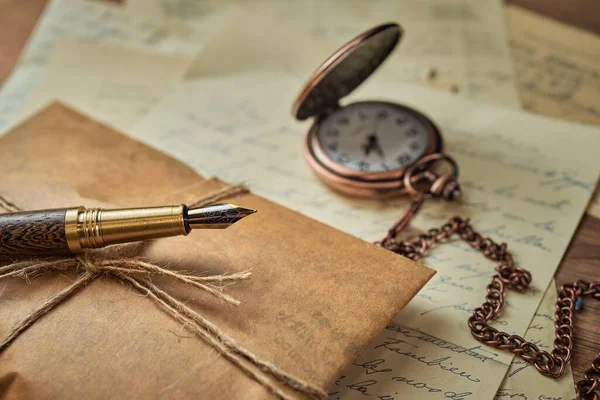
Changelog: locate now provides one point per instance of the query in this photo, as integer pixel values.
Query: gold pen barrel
(97, 227)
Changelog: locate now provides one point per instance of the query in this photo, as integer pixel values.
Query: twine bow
(122, 262)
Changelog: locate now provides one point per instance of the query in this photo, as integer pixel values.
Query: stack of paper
(212, 83)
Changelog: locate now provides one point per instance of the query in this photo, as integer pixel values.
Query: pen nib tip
(242, 210)
(216, 216)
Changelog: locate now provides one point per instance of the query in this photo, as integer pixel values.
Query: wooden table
(582, 260)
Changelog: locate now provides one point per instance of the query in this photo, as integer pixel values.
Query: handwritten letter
(403, 363)
(406, 364)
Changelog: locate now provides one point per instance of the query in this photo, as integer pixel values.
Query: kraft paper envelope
(316, 298)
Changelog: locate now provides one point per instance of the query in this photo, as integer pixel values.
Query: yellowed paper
(522, 380)
(14, 92)
(403, 363)
(464, 42)
(111, 83)
(94, 22)
(558, 69)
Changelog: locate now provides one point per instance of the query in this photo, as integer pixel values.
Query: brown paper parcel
(316, 298)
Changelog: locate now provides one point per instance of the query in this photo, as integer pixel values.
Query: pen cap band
(98, 227)
(71, 228)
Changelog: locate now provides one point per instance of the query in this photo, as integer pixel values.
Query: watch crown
(447, 187)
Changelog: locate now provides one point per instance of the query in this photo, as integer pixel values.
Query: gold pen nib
(216, 216)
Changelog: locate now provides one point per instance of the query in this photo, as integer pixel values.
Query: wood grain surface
(17, 19)
(33, 233)
(582, 260)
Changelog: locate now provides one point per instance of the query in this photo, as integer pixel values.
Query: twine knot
(87, 264)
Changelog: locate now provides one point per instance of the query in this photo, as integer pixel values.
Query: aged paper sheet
(93, 22)
(464, 41)
(14, 93)
(405, 363)
(559, 70)
(108, 82)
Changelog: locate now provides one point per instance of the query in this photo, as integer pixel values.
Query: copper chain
(509, 275)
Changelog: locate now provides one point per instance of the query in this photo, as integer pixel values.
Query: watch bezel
(333, 172)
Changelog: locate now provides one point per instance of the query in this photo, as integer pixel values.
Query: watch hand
(371, 140)
(373, 144)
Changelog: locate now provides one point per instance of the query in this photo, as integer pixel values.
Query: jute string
(122, 262)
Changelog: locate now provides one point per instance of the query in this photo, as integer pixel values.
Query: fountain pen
(72, 230)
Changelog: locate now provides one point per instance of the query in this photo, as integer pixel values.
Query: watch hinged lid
(346, 69)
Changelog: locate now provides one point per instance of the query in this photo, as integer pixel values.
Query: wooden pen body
(33, 234)
(45, 233)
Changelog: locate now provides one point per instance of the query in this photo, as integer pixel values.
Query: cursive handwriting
(398, 346)
(429, 389)
(442, 344)
(460, 307)
(505, 393)
(362, 387)
(372, 367)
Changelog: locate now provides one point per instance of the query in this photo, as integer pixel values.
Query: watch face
(374, 137)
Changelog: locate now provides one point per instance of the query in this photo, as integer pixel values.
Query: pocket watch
(369, 149)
